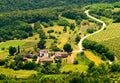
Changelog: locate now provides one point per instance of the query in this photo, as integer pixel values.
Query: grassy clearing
(3, 54)
(14, 43)
(18, 74)
(110, 38)
(116, 10)
(97, 60)
(69, 20)
(82, 65)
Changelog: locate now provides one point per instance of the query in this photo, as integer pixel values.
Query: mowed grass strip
(97, 60)
(18, 74)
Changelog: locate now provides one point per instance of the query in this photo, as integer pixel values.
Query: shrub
(50, 31)
(45, 24)
(75, 62)
(2, 62)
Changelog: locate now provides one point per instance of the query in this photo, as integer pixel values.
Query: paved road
(103, 27)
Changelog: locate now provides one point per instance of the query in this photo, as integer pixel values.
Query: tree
(12, 50)
(90, 30)
(63, 22)
(77, 39)
(42, 34)
(78, 22)
(58, 65)
(75, 61)
(72, 26)
(91, 65)
(41, 44)
(30, 65)
(37, 26)
(18, 49)
(67, 48)
(51, 23)
(65, 29)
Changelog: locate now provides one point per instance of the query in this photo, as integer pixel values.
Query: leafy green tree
(37, 26)
(75, 62)
(18, 50)
(51, 23)
(65, 29)
(12, 50)
(63, 22)
(29, 65)
(58, 65)
(90, 66)
(42, 34)
(72, 26)
(115, 67)
(2, 76)
(90, 30)
(78, 22)
(77, 39)
(41, 44)
(67, 48)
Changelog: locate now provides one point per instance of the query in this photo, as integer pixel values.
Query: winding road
(103, 27)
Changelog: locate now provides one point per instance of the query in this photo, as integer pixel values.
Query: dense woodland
(11, 5)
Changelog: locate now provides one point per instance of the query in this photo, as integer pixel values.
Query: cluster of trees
(18, 63)
(14, 30)
(99, 48)
(74, 14)
(48, 68)
(63, 22)
(77, 39)
(116, 16)
(107, 10)
(103, 72)
(11, 5)
(91, 30)
(32, 16)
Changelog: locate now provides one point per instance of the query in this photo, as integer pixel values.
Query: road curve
(103, 27)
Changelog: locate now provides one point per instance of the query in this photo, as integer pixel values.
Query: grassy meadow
(18, 73)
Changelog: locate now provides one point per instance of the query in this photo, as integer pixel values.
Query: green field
(110, 38)
(18, 74)
(14, 43)
(74, 68)
(82, 65)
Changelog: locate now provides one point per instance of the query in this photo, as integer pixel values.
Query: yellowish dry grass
(93, 57)
(71, 58)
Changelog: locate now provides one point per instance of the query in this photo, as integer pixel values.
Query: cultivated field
(109, 37)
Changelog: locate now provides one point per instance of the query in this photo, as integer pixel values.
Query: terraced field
(109, 37)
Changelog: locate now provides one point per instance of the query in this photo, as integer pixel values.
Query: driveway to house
(82, 39)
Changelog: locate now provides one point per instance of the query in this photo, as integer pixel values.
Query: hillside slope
(11, 5)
